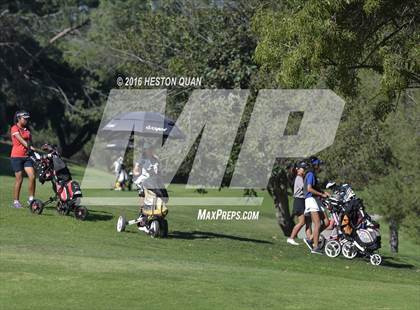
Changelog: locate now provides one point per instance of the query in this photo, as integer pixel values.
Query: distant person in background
(312, 207)
(299, 204)
(120, 174)
(21, 143)
(116, 165)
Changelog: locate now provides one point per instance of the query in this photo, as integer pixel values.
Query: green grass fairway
(55, 262)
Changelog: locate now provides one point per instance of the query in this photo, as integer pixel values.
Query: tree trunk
(85, 133)
(78, 142)
(393, 236)
(277, 187)
(284, 220)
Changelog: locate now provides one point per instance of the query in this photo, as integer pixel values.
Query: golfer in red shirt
(21, 143)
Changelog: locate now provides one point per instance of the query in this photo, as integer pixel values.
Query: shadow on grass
(95, 216)
(389, 261)
(210, 235)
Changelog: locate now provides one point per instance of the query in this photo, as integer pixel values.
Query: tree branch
(51, 41)
(147, 62)
(378, 45)
(66, 31)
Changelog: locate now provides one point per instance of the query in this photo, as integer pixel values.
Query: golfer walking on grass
(21, 143)
(312, 208)
(299, 205)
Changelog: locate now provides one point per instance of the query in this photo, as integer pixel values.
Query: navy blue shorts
(19, 163)
(298, 206)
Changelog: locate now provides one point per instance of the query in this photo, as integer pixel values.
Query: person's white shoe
(292, 241)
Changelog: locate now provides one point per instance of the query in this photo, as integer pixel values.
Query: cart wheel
(348, 250)
(36, 206)
(164, 229)
(375, 259)
(332, 248)
(121, 223)
(81, 213)
(154, 229)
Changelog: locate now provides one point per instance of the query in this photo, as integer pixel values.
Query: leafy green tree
(328, 42)
(396, 195)
(34, 76)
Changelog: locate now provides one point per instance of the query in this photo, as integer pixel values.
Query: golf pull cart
(152, 219)
(355, 233)
(51, 167)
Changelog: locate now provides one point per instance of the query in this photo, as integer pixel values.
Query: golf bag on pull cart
(51, 167)
(355, 233)
(152, 215)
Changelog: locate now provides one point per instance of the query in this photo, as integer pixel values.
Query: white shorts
(311, 205)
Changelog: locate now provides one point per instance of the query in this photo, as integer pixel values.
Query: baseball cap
(316, 161)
